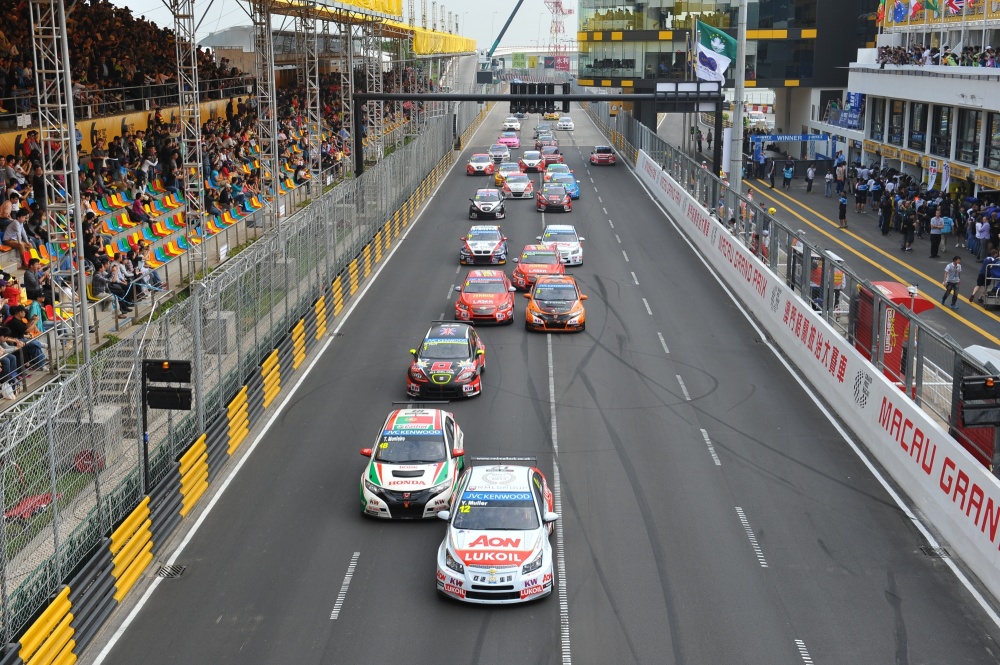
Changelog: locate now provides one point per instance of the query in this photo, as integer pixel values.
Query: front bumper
(554, 323)
(442, 390)
(553, 207)
(510, 586)
(492, 316)
(415, 505)
(476, 213)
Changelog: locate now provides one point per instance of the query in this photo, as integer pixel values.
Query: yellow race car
(504, 170)
(551, 116)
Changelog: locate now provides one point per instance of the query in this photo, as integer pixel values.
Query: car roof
(564, 177)
(420, 422)
(602, 147)
(557, 279)
(550, 150)
(559, 227)
(538, 248)
(530, 154)
(480, 228)
(500, 478)
(448, 330)
(556, 167)
(509, 165)
(508, 134)
(479, 154)
(487, 274)
(484, 190)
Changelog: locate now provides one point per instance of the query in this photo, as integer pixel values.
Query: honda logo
(406, 495)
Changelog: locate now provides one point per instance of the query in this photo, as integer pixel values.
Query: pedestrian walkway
(873, 256)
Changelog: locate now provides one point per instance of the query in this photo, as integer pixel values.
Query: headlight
(461, 305)
(440, 487)
(373, 488)
(417, 375)
(452, 563)
(575, 318)
(532, 565)
(465, 375)
(504, 306)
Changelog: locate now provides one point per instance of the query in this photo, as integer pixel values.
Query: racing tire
(583, 327)
(510, 321)
(527, 326)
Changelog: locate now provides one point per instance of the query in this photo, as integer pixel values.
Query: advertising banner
(550, 62)
(518, 60)
(955, 493)
(562, 63)
(532, 62)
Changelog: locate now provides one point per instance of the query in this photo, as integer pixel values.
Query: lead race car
(414, 465)
(497, 546)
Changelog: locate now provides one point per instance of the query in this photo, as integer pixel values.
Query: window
(970, 127)
(918, 126)
(993, 143)
(878, 120)
(941, 131)
(897, 111)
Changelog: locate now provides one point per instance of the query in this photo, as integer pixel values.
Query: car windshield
(496, 147)
(558, 168)
(479, 158)
(542, 126)
(511, 119)
(550, 150)
(531, 154)
(544, 258)
(555, 292)
(517, 179)
(488, 195)
(445, 349)
(559, 235)
(509, 167)
(566, 118)
(549, 190)
(480, 285)
(404, 447)
(509, 135)
(484, 235)
(603, 150)
(564, 179)
(496, 511)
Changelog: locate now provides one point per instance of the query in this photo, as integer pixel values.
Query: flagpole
(736, 150)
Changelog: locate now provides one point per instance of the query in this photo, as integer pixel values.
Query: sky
(477, 19)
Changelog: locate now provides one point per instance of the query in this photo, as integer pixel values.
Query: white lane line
(834, 422)
(458, 269)
(804, 652)
(605, 210)
(711, 448)
(595, 189)
(343, 587)
(611, 223)
(663, 342)
(563, 592)
(278, 412)
(599, 199)
(684, 388)
(451, 290)
(592, 181)
(441, 318)
(618, 239)
(635, 279)
(625, 255)
(648, 310)
(753, 539)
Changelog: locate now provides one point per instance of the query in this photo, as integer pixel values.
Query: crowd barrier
(59, 629)
(957, 495)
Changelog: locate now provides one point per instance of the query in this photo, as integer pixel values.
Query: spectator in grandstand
(103, 283)
(16, 237)
(26, 330)
(35, 280)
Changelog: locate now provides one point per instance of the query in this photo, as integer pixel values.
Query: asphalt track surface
(710, 512)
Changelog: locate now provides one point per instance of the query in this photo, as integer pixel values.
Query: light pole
(492, 23)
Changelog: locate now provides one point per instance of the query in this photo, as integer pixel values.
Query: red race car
(553, 197)
(535, 260)
(551, 155)
(485, 296)
(479, 164)
(603, 154)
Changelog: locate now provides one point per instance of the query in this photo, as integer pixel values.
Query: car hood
(564, 246)
(493, 548)
(517, 186)
(555, 306)
(486, 205)
(538, 268)
(406, 477)
(485, 299)
(531, 160)
(482, 245)
(443, 371)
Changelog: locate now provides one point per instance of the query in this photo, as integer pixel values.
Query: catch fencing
(926, 365)
(72, 481)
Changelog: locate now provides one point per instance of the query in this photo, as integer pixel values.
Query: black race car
(449, 363)
(488, 204)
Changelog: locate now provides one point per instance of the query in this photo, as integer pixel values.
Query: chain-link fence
(877, 318)
(72, 462)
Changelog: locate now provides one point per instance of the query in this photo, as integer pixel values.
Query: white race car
(414, 465)
(566, 122)
(512, 124)
(564, 239)
(497, 547)
(498, 152)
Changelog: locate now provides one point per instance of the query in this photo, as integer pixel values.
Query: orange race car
(485, 296)
(555, 304)
(535, 261)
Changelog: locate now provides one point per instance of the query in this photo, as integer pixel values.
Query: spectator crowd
(969, 56)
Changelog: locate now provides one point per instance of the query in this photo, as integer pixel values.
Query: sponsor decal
(493, 557)
(495, 541)
(533, 582)
(496, 496)
(753, 276)
(547, 579)
(533, 591)
(454, 590)
(818, 346)
(498, 478)
(401, 483)
(412, 430)
(862, 384)
(441, 576)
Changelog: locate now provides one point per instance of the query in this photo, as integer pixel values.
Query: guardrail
(882, 369)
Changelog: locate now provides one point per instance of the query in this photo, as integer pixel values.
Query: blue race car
(569, 182)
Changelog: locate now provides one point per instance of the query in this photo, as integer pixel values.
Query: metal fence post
(197, 290)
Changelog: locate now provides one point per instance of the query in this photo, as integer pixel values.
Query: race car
(518, 186)
(449, 362)
(545, 140)
(479, 164)
(512, 123)
(486, 295)
(553, 197)
(483, 245)
(553, 169)
(499, 153)
(603, 154)
(487, 203)
(497, 546)
(563, 239)
(413, 466)
(535, 261)
(542, 128)
(569, 181)
(510, 140)
(566, 123)
(531, 160)
(555, 303)
(503, 170)
(551, 155)
(551, 115)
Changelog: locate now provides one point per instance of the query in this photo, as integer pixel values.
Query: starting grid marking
(752, 537)
(804, 652)
(343, 588)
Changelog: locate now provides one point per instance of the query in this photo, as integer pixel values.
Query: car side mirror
(515, 260)
(582, 239)
(366, 452)
(413, 352)
(458, 288)
(458, 452)
(480, 352)
(528, 296)
(471, 200)
(583, 297)
(538, 237)
(511, 289)
(548, 518)
(444, 515)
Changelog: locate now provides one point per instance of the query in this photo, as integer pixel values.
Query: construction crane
(489, 55)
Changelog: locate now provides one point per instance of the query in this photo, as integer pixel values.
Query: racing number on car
(465, 508)
(440, 367)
